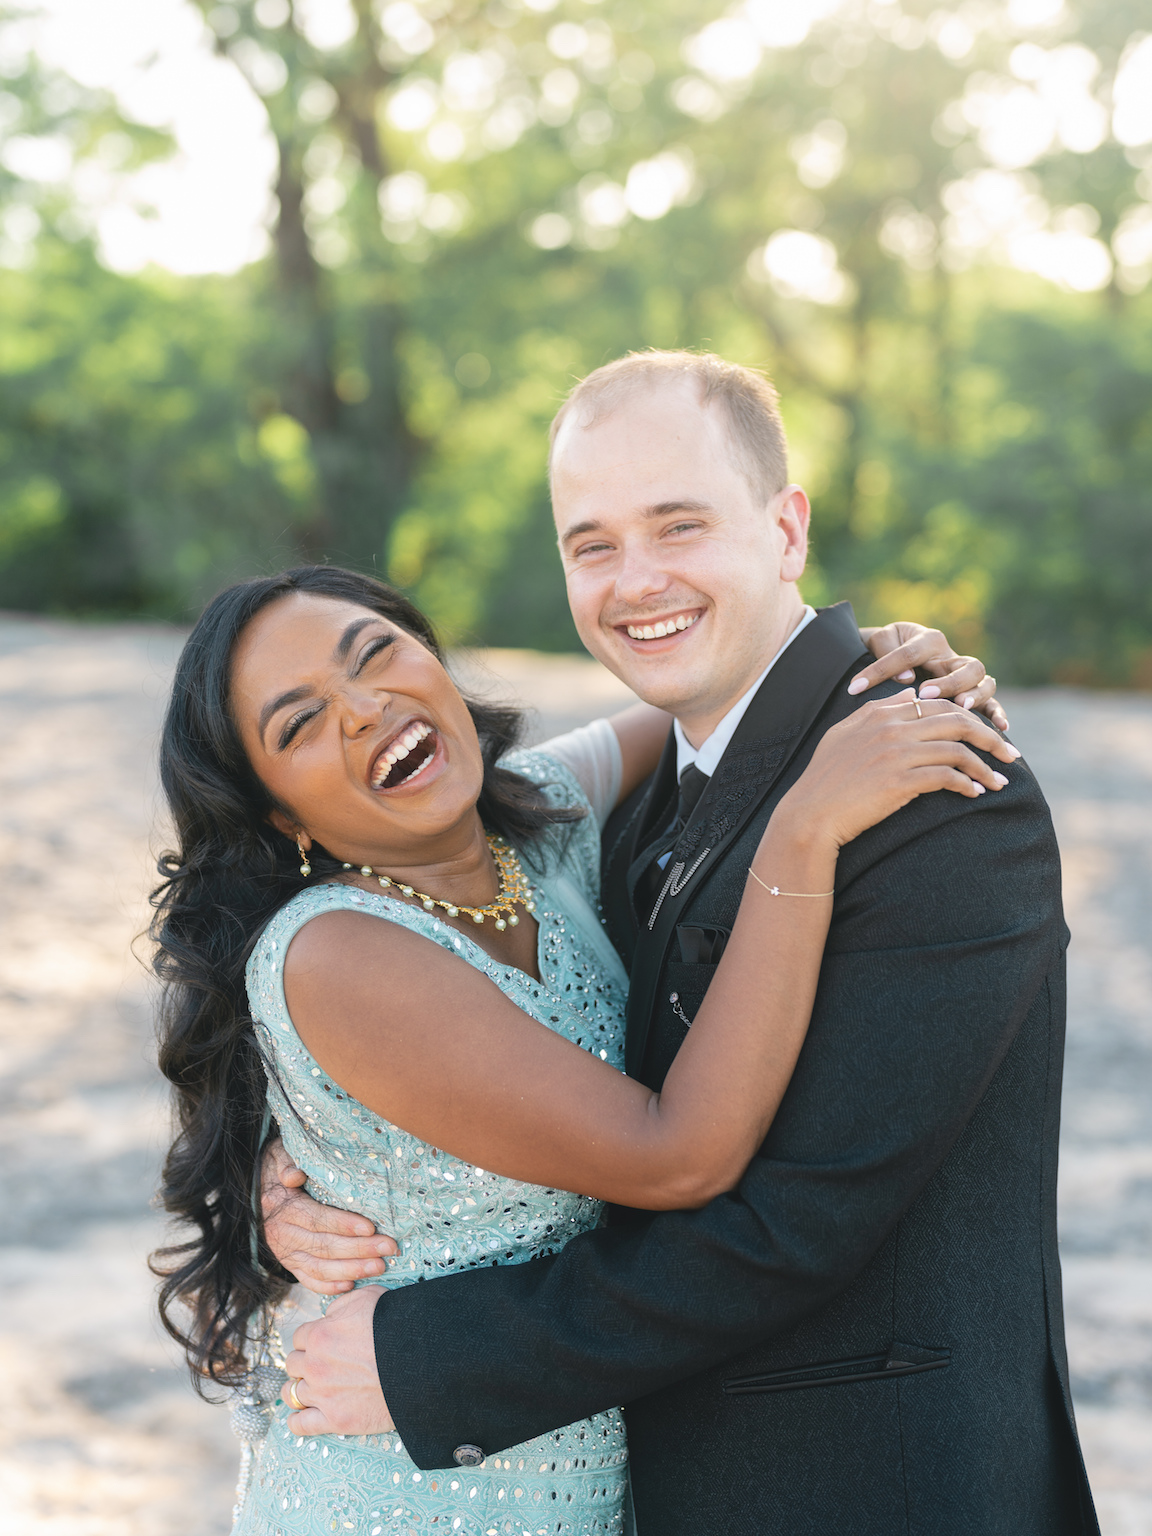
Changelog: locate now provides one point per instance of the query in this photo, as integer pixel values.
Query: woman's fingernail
(1000, 779)
(1015, 751)
(907, 676)
(967, 701)
(858, 685)
(979, 787)
(929, 691)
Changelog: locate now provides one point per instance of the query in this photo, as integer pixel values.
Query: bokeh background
(286, 279)
(300, 278)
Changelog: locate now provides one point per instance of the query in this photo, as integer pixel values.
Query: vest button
(467, 1455)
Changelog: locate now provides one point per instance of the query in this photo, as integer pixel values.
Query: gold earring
(305, 867)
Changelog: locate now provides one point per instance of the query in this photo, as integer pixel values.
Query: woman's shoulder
(271, 948)
(555, 780)
(570, 847)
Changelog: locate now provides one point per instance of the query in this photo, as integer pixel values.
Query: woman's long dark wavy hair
(230, 871)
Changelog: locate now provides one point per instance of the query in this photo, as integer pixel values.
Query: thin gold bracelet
(774, 890)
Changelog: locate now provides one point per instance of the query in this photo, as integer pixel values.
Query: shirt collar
(707, 756)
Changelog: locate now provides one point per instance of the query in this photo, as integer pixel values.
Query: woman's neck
(464, 876)
(462, 871)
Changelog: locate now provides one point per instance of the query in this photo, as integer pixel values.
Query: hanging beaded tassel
(254, 1406)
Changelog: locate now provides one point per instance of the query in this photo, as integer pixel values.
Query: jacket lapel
(655, 816)
(774, 727)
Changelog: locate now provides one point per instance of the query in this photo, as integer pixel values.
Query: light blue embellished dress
(446, 1215)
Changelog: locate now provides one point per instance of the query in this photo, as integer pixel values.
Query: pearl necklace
(514, 889)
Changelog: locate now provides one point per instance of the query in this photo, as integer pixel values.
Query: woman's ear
(289, 828)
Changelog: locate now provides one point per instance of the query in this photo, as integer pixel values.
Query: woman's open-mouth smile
(407, 757)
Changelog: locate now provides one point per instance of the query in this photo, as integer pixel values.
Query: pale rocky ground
(100, 1434)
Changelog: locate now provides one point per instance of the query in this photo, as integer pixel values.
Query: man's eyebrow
(657, 509)
(293, 696)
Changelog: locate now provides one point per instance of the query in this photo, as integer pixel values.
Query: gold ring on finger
(919, 711)
(293, 1395)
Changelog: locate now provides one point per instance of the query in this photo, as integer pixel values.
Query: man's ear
(793, 513)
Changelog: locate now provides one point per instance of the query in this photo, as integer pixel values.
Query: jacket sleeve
(947, 920)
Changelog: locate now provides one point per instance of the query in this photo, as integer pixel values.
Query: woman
(350, 830)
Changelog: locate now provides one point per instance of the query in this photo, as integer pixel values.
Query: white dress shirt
(707, 756)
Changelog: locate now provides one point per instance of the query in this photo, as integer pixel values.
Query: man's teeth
(658, 631)
(399, 750)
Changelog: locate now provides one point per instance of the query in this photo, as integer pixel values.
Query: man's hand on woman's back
(325, 1248)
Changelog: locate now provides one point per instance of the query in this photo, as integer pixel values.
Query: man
(866, 1335)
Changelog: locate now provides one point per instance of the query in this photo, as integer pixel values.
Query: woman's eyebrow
(345, 643)
(293, 696)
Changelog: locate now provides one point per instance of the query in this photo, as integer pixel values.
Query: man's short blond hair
(750, 404)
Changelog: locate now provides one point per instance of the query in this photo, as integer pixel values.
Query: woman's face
(355, 728)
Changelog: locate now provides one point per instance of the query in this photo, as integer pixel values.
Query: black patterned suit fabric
(866, 1337)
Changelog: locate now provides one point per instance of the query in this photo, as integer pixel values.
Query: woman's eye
(373, 649)
(293, 726)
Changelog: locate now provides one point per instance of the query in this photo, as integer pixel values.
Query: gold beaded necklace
(515, 889)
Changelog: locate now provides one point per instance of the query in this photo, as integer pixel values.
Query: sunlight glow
(413, 106)
(405, 26)
(327, 24)
(726, 50)
(800, 265)
(1052, 106)
(1001, 215)
(1132, 244)
(1070, 260)
(786, 23)
(819, 155)
(656, 186)
(729, 49)
(1132, 95)
(211, 200)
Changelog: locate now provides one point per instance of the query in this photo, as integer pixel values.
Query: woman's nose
(363, 710)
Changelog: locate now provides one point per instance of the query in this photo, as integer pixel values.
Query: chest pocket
(683, 992)
(683, 984)
(687, 979)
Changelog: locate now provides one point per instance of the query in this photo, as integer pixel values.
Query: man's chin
(666, 682)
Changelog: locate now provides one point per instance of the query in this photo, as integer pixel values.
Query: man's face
(681, 582)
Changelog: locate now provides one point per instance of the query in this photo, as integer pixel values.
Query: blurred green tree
(477, 203)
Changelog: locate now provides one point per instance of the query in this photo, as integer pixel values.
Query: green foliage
(556, 187)
(137, 463)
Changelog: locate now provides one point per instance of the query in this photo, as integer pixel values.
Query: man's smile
(667, 627)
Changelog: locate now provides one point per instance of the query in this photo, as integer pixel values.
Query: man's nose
(640, 576)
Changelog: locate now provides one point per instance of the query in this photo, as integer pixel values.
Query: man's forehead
(664, 408)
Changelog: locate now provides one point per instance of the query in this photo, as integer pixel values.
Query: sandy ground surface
(99, 1433)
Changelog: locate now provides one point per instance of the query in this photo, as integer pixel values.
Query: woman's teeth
(399, 750)
(658, 631)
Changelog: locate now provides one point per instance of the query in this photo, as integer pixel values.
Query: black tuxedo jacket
(866, 1336)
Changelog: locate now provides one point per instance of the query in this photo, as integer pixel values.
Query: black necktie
(692, 785)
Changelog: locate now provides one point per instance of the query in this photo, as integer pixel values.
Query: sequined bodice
(446, 1214)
